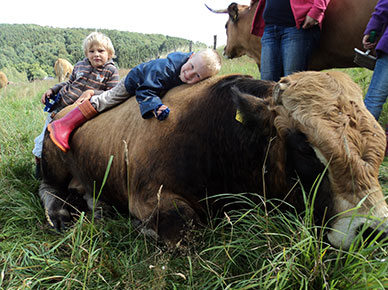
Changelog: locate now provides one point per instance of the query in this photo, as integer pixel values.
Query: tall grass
(255, 248)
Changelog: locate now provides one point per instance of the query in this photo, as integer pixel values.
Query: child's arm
(161, 112)
(154, 78)
(47, 95)
(157, 80)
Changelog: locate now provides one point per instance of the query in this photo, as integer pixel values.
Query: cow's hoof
(58, 219)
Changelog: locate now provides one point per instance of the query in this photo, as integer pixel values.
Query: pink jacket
(300, 8)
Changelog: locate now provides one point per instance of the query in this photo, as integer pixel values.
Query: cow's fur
(3, 80)
(63, 69)
(219, 137)
(342, 31)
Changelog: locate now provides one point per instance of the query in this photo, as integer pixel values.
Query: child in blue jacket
(147, 81)
(378, 88)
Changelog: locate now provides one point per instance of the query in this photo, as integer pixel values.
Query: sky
(189, 19)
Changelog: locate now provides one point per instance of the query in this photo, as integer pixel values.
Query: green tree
(34, 49)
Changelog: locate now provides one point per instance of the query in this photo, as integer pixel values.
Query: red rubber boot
(61, 129)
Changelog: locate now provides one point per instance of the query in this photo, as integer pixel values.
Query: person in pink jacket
(290, 31)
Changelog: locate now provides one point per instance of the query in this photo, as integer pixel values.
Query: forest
(29, 51)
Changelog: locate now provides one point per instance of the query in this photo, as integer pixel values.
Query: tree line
(32, 50)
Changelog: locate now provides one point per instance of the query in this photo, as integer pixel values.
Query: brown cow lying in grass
(220, 136)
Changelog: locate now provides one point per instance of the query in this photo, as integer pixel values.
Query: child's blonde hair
(212, 60)
(99, 39)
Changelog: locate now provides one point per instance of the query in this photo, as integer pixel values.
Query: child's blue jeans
(285, 50)
(378, 87)
(37, 151)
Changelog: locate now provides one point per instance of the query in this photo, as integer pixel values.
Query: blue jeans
(378, 87)
(37, 151)
(285, 50)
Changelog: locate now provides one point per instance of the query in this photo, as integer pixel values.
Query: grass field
(245, 250)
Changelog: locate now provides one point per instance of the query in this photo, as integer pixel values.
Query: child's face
(97, 55)
(194, 70)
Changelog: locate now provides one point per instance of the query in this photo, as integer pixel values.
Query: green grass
(252, 249)
(241, 65)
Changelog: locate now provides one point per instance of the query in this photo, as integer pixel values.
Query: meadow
(252, 249)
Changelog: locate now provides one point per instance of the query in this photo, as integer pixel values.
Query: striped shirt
(85, 77)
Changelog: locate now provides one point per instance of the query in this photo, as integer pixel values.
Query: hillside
(33, 49)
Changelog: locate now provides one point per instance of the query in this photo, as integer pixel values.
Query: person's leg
(118, 94)
(61, 129)
(296, 48)
(271, 62)
(37, 151)
(378, 87)
(38, 147)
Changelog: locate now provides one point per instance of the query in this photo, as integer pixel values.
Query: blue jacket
(378, 22)
(149, 80)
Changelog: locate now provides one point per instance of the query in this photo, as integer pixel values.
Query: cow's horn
(282, 86)
(279, 89)
(217, 11)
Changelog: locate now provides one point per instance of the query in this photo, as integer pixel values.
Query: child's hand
(86, 95)
(47, 95)
(161, 112)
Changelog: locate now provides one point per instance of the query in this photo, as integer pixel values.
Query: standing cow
(63, 69)
(3, 80)
(342, 31)
(228, 134)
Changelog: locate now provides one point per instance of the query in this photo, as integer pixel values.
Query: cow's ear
(250, 109)
(280, 87)
(233, 12)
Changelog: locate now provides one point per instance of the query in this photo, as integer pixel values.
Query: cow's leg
(98, 206)
(54, 202)
(61, 129)
(77, 189)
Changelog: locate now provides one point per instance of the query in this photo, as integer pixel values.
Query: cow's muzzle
(346, 229)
